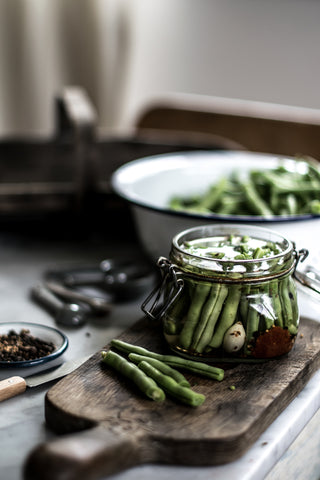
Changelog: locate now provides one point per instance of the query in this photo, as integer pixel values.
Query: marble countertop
(290, 444)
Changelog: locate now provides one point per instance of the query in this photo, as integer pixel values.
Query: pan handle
(76, 119)
(76, 116)
(89, 454)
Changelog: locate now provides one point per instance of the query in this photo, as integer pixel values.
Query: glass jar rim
(215, 230)
(231, 269)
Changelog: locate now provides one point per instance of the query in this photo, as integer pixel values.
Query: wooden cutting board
(112, 426)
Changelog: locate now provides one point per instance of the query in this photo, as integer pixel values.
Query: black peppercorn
(17, 347)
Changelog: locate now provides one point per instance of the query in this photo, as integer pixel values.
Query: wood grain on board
(112, 426)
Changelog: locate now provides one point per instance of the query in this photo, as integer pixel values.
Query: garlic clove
(234, 338)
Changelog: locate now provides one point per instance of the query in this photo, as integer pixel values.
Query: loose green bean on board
(131, 371)
(162, 367)
(174, 361)
(171, 387)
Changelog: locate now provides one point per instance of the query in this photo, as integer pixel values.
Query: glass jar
(228, 293)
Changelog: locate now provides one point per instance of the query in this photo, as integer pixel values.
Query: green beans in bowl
(169, 193)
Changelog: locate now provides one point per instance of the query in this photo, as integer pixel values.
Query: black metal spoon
(68, 314)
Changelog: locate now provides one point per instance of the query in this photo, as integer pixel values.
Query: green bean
(199, 297)
(289, 305)
(292, 204)
(205, 313)
(243, 307)
(268, 315)
(229, 205)
(217, 255)
(179, 203)
(227, 317)
(313, 168)
(162, 367)
(253, 317)
(214, 194)
(176, 311)
(259, 253)
(274, 294)
(170, 326)
(286, 184)
(294, 303)
(285, 302)
(274, 200)
(254, 201)
(170, 386)
(209, 317)
(146, 384)
(174, 361)
(314, 207)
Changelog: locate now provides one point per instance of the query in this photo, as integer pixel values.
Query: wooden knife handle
(89, 454)
(12, 386)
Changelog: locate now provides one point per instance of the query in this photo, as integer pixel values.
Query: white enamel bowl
(149, 183)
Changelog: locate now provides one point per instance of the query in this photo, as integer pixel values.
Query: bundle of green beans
(278, 191)
(204, 313)
(156, 375)
(214, 309)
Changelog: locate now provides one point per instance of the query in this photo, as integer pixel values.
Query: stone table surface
(289, 448)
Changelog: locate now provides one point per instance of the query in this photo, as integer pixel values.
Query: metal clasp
(166, 293)
(309, 278)
(300, 256)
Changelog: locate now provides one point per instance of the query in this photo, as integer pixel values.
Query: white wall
(266, 50)
(126, 52)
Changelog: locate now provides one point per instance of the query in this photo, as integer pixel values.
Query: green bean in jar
(238, 299)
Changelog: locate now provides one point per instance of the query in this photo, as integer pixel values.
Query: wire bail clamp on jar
(300, 256)
(309, 278)
(166, 292)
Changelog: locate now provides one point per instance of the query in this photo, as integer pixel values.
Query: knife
(15, 385)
